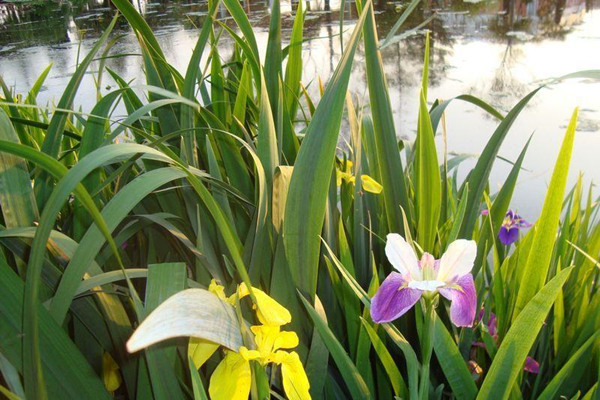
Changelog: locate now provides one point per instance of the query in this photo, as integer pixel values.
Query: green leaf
(511, 355)
(478, 177)
(293, 68)
(571, 370)
(538, 261)
(16, 196)
(91, 243)
(67, 373)
(356, 385)
(388, 162)
(164, 280)
(453, 365)
(53, 137)
(387, 361)
(307, 196)
(428, 184)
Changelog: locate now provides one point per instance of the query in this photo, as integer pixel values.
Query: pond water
(497, 50)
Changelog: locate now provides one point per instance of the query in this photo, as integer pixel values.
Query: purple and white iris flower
(531, 365)
(449, 276)
(509, 231)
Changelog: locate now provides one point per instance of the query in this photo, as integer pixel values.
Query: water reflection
(496, 20)
(495, 50)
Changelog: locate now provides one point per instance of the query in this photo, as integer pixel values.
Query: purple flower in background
(450, 276)
(509, 231)
(531, 365)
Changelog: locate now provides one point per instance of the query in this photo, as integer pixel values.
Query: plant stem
(426, 345)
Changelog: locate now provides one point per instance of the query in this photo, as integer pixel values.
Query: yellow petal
(231, 379)
(338, 177)
(249, 354)
(348, 169)
(269, 311)
(110, 373)
(200, 350)
(285, 340)
(293, 376)
(370, 185)
(217, 289)
(265, 336)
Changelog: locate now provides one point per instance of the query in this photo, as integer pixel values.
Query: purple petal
(524, 224)
(493, 326)
(485, 211)
(390, 301)
(464, 302)
(531, 366)
(508, 236)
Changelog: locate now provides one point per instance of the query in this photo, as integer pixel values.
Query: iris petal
(457, 260)
(508, 236)
(232, 379)
(464, 301)
(402, 256)
(531, 366)
(392, 300)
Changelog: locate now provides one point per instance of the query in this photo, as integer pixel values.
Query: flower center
(428, 286)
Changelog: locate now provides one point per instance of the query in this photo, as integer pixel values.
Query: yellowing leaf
(192, 312)
(110, 373)
(231, 379)
(200, 350)
(370, 185)
(295, 381)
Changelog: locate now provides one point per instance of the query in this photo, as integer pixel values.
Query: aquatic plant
(223, 179)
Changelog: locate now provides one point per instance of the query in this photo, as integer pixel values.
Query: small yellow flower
(368, 184)
(217, 289)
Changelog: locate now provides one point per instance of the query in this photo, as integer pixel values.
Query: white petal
(402, 256)
(457, 260)
(428, 286)
(192, 312)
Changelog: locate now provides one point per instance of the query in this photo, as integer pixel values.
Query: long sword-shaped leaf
(356, 385)
(91, 243)
(511, 355)
(454, 366)
(479, 175)
(53, 138)
(307, 197)
(189, 86)
(67, 373)
(388, 160)
(16, 196)
(538, 261)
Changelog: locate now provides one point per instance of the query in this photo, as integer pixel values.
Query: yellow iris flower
(235, 367)
(368, 184)
(232, 379)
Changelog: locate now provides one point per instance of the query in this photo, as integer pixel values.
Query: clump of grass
(226, 177)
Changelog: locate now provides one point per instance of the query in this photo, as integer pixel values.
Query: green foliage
(229, 172)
